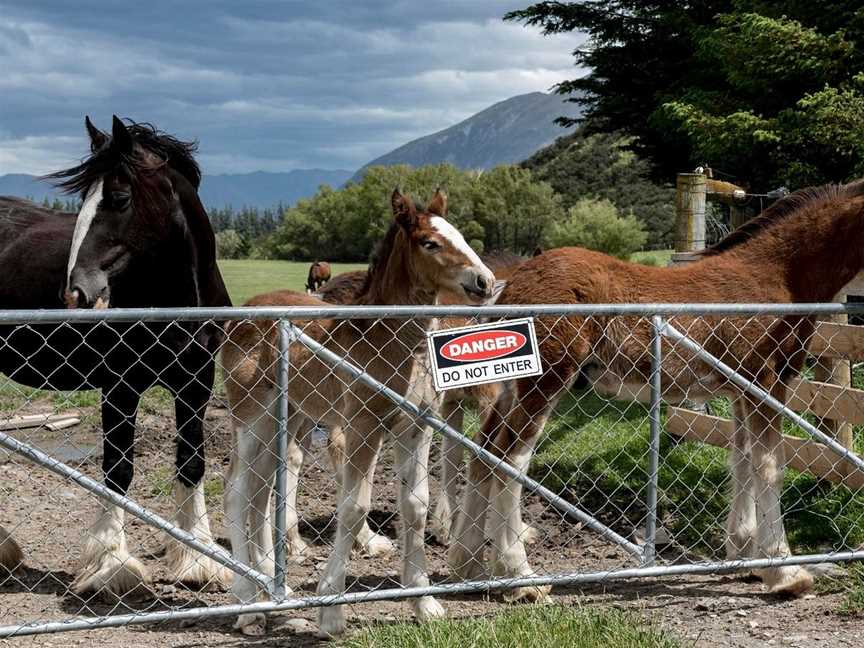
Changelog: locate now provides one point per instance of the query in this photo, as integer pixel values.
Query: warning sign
(472, 355)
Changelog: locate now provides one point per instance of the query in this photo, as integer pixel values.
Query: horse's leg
(105, 561)
(298, 448)
(254, 427)
(11, 555)
(362, 442)
(741, 525)
(184, 563)
(535, 401)
(411, 449)
(367, 541)
(452, 456)
(769, 462)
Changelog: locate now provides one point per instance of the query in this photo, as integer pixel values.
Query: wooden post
(837, 371)
(690, 196)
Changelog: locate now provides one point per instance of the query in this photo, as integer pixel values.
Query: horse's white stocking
(411, 448)
(509, 558)
(465, 555)
(184, 563)
(452, 456)
(297, 448)
(367, 542)
(11, 555)
(741, 524)
(363, 441)
(768, 466)
(106, 564)
(252, 437)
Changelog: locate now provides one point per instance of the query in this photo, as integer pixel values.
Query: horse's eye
(120, 199)
(430, 245)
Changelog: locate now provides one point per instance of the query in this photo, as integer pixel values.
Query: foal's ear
(438, 205)
(97, 137)
(121, 140)
(403, 209)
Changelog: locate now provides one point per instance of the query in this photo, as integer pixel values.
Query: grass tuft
(522, 627)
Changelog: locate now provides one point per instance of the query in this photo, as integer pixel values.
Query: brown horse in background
(319, 274)
(803, 249)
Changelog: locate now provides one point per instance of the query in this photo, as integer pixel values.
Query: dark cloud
(269, 85)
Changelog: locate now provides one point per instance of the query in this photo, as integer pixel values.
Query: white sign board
(473, 355)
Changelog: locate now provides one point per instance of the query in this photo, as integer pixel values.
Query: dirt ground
(49, 518)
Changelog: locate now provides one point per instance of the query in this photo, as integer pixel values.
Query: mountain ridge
(506, 132)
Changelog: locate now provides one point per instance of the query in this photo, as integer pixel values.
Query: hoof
(788, 581)
(439, 525)
(530, 535)
(187, 566)
(297, 548)
(465, 565)
(376, 545)
(427, 608)
(536, 594)
(331, 623)
(117, 573)
(252, 625)
(11, 555)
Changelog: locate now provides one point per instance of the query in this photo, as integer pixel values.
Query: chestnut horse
(345, 288)
(319, 274)
(803, 249)
(421, 256)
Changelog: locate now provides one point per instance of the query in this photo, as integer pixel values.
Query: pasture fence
(625, 482)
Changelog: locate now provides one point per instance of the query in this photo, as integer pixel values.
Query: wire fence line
(628, 480)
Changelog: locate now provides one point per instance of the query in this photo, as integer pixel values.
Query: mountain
(506, 132)
(258, 189)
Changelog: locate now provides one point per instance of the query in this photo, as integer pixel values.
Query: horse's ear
(438, 205)
(121, 140)
(538, 251)
(97, 137)
(403, 209)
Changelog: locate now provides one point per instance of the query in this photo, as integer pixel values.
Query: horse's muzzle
(87, 290)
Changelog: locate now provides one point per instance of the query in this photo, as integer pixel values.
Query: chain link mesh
(722, 492)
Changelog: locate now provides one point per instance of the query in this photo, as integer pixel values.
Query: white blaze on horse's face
(82, 225)
(478, 280)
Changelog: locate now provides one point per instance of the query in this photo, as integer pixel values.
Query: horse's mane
(379, 256)
(783, 209)
(177, 154)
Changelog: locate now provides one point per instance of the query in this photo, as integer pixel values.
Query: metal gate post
(653, 443)
(284, 333)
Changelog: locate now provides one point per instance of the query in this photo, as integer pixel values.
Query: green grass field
(246, 278)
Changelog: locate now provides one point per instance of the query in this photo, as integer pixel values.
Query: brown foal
(804, 249)
(421, 256)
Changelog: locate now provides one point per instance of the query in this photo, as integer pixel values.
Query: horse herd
(142, 238)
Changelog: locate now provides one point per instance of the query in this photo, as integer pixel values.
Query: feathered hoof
(11, 556)
(427, 608)
(252, 625)
(376, 545)
(788, 581)
(115, 572)
(195, 570)
(530, 535)
(331, 623)
(465, 565)
(535, 594)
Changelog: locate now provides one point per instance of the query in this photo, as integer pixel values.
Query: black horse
(141, 238)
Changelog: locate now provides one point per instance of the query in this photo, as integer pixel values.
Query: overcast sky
(262, 84)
